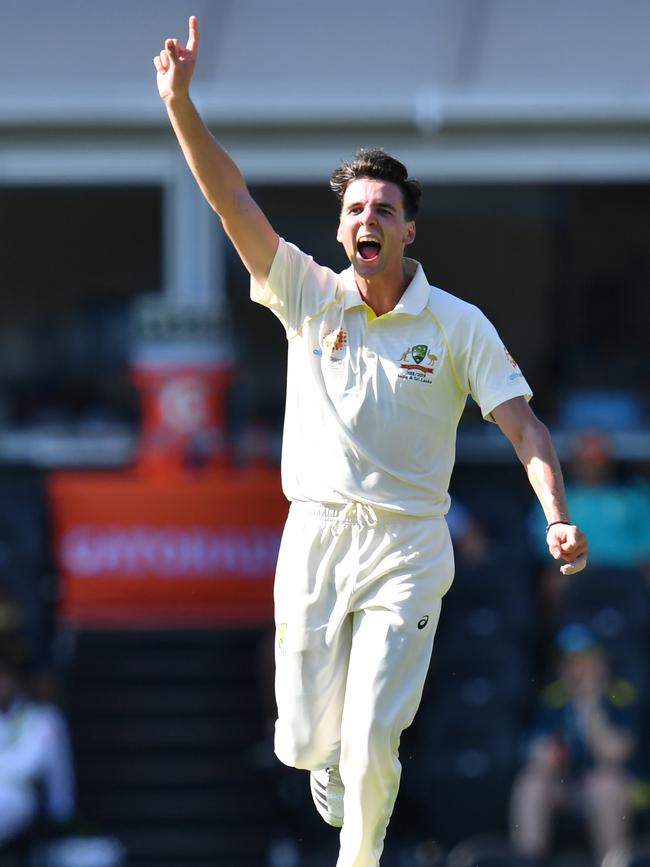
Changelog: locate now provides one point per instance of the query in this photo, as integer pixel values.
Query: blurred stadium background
(141, 393)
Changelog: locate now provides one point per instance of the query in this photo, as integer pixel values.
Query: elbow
(229, 203)
(235, 203)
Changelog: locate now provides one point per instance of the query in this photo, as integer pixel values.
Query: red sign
(133, 550)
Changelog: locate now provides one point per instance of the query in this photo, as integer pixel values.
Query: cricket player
(380, 366)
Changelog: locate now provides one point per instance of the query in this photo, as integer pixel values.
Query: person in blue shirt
(613, 512)
(579, 752)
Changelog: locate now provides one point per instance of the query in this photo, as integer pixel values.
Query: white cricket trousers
(357, 600)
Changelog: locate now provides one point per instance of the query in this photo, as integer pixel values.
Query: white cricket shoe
(327, 791)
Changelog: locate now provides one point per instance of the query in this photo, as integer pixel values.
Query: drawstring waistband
(351, 514)
(361, 514)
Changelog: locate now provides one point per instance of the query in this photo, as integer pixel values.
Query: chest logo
(336, 340)
(334, 344)
(418, 353)
(417, 364)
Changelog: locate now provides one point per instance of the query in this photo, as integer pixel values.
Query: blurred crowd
(37, 788)
(530, 734)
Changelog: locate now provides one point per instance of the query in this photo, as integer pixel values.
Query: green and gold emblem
(418, 352)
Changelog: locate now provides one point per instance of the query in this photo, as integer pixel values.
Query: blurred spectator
(613, 513)
(36, 778)
(257, 446)
(579, 753)
(471, 543)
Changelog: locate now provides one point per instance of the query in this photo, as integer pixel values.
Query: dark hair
(376, 163)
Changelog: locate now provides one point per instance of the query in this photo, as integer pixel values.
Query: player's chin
(367, 267)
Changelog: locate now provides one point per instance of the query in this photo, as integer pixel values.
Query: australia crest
(417, 363)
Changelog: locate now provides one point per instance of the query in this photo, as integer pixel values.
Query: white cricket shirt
(373, 402)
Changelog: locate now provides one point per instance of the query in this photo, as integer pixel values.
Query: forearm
(536, 452)
(217, 175)
(532, 444)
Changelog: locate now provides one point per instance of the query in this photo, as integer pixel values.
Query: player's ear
(339, 237)
(409, 236)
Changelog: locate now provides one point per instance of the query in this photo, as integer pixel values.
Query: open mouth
(368, 249)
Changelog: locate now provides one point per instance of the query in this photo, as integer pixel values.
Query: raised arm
(532, 443)
(220, 180)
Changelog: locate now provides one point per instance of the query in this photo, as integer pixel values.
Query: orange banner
(190, 551)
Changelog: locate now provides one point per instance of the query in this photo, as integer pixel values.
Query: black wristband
(553, 523)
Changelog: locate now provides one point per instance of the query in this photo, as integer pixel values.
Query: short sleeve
(296, 289)
(494, 376)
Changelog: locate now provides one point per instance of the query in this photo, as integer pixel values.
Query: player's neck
(382, 292)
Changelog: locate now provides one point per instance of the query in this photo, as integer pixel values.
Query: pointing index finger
(193, 38)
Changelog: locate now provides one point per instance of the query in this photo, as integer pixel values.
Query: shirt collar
(412, 302)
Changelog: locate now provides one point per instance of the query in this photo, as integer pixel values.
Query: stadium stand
(161, 722)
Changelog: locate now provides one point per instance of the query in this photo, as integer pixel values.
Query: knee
(532, 785)
(384, 735)
(534, 777)
(303, 750)
(377, 743)
(605, 789)
(301, 756)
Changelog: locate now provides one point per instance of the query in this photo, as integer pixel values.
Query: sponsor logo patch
(333, 351)
(335, 343)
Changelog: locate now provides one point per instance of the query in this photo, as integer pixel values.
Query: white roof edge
(417, 108)
(302, 157)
